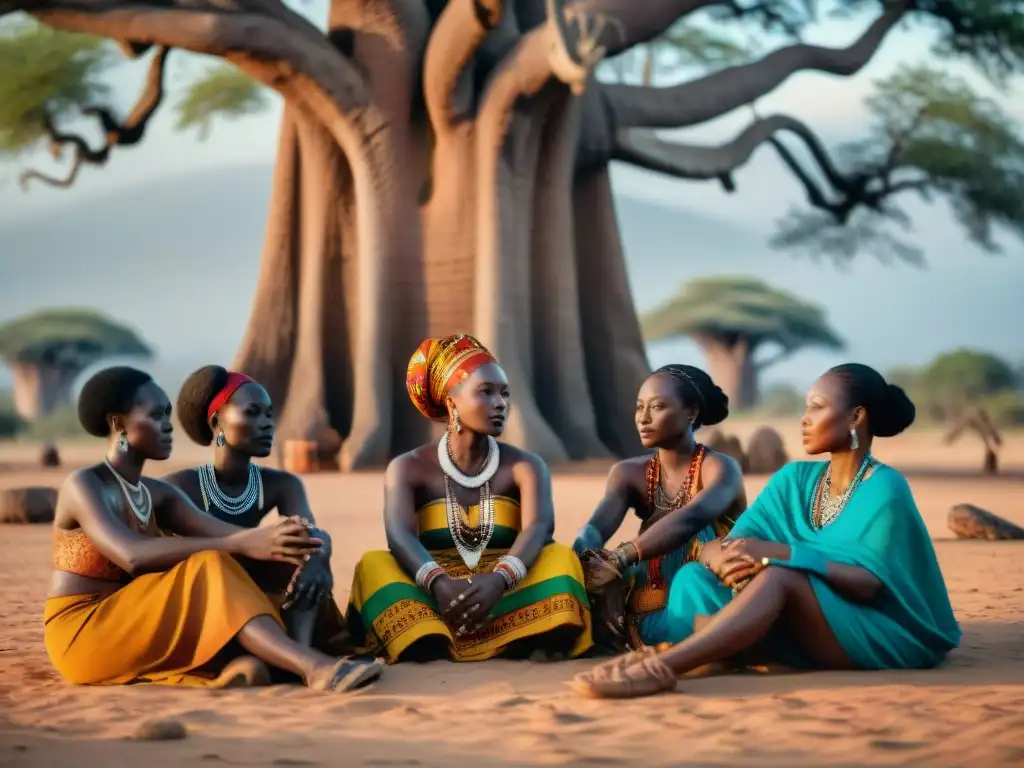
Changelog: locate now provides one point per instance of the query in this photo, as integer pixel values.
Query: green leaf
(46, 72)
(223, 91)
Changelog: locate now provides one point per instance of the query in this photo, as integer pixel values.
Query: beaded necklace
(656, 495)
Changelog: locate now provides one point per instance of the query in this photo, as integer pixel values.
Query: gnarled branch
(447, 77)
(116, 133)
(709, 97)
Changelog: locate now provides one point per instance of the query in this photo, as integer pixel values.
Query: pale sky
(920, 302)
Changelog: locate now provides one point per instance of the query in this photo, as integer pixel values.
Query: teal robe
(909, 625)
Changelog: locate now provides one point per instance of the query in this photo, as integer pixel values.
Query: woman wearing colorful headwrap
(234, 412)
(472, 572)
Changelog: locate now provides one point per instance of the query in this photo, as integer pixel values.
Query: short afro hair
(194, 401)
(108, 392)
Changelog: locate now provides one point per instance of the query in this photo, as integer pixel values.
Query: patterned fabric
(439, 365)
(74, 552)
(548, 610)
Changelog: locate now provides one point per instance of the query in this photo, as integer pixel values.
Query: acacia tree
(732, 319)
(47, 350)
(443, 167)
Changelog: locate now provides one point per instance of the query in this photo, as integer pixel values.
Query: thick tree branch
(447, 78)
(643, 148)
(638, 21)
(308, 70)
(709, 97)
(116, 133)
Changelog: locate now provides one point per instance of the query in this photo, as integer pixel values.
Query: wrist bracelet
(512, 569)
(427, 574)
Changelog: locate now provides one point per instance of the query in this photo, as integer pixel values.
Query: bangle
(512, 569)
(622, 554)
(428, 573)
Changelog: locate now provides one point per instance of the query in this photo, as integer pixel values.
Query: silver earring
(122, 442)
(456, 422)
(221, 442)
(854, 442)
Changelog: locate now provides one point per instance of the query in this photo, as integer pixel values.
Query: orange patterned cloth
(439, 365)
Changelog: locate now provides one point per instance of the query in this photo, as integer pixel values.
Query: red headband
(235, 380)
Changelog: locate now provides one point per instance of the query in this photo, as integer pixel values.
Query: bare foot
(243, 672)
(345, 675)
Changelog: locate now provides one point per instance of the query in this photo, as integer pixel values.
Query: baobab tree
(47, 350)
(443, 167)
(733, 319)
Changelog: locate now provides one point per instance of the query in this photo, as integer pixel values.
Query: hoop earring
(854, 441)
(221, 441)
(456, 423)
(122, 442)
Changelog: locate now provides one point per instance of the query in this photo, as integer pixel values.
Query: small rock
(970, 522)
(160, 730)
(49, 456)
(730, 445)
(766, 452)
(34, 504)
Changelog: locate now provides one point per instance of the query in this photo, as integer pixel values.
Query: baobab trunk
(41, 389)
(731, 365)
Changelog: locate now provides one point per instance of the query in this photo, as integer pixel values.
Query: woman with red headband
(472, 572)
(234, 412)
(130, 604)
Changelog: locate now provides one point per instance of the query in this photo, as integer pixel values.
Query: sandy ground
(970, 712)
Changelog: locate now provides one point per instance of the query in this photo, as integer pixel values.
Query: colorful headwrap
(437, 366)
(235, 380)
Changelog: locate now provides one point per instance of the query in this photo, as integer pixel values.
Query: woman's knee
(784, 578)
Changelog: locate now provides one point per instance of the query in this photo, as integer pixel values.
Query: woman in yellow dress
(472, 572)
(128, 604)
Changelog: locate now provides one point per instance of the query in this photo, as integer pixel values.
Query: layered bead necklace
(232, 505)
(139, 499)
(470, 541)
(824, 509)
(659, 505)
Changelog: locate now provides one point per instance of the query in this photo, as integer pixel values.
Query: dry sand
(970, 712)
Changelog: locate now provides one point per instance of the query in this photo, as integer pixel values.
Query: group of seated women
(181, 580)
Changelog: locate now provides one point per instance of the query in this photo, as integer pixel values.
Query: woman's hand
(315, 532)
(285, 542)
(311, 584)
(446, 591)
(481, 596)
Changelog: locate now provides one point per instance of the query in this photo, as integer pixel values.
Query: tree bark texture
(40, 389)
(731, 365)
(443, 168)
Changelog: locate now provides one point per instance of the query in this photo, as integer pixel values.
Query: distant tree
(47, 350)
(732, 318)
(955, 380)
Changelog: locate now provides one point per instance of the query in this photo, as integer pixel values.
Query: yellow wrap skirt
(388, 613)
(159, 628)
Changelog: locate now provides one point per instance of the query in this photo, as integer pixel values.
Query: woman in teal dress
(831, 567)
(685, 495)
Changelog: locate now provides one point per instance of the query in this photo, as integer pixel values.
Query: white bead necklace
(470, 542)
(139, 499)
(232, 505)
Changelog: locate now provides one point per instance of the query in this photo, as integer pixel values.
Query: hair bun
(716, 405)
(894, 414)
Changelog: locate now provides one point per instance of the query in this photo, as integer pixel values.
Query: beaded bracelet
(512, 569)
(428, 573)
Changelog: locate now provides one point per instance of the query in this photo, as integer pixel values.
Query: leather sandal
(648, 677)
